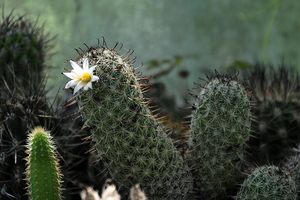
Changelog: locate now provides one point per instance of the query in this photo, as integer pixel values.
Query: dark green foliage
(127, 136)
(266, 183)
(220, 127)
(276, 111)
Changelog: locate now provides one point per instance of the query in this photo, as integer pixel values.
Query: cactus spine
(127, 136)
(268, 182)
(219, 128)
(43, 173)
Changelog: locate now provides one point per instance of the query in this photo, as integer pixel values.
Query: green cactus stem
(292, 165)
(43, 171)
(127, 135)
(220, 125)
(268, 182)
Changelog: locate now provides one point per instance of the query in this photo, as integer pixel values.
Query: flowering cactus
(127, 136)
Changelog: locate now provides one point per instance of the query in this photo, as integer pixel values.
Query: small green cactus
(220, 125)
(266, 183)
(127, 135)
(43, 171)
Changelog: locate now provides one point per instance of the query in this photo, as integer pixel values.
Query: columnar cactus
(43, 173)
(126, 134)
(220, 126)
(268, 182)
(277, 112)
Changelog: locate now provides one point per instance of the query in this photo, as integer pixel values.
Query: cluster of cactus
(234, 126)
(24, 105)
(268, 182)
(22, 97)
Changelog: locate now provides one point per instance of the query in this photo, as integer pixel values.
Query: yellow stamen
(86, 77)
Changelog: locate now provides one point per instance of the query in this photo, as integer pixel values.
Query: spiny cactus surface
(127, 136)
(292, 165)
(43, 173)
(219, 128)
(268, 182)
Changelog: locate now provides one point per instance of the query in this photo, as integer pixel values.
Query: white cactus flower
(81, 77)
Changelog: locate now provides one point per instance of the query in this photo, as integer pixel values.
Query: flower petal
(76, 67)
(86, 64)
(71, 83)
(88, 85)
(70, 75)
(94, 78)
(91, 69)
(78, 87)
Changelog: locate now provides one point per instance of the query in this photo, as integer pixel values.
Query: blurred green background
(182, 39)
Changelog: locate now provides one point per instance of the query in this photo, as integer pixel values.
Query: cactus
(20, 110)
(24, 105)
(276, 110)
(220, 125)
(23, 48)
(268, 182)
(127, 136)
(43, 171)
(292, 165)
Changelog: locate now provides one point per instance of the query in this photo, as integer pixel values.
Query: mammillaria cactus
(268, 182)
(220, 127)
(292, 165)
(127, 135)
